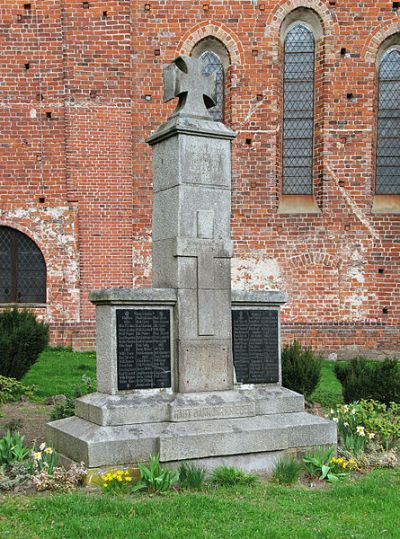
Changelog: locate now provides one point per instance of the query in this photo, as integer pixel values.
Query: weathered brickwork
(81, 89)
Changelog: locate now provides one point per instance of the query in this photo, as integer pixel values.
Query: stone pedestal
(171, 377)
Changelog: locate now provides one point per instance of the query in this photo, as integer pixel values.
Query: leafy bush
(322, 465)
(13, 475)
(191, 476)
(230, 476)
(287, 471)
(12, 448)
(63, 409)
(363, 379)
(11, 390)
(22, 339)
(301, 368)
(66, 408)
(155, 478)
(367, 424)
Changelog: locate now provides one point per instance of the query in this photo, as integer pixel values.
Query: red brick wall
(98, 71)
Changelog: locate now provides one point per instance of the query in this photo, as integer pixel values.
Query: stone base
(212, 426)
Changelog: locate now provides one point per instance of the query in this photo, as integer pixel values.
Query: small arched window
(22, 268)
(388, 138)
(212, 64)
(215, 58)
(298, 110)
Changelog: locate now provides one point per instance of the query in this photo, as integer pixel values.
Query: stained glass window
(298, 111)
(22, 269)
(388, 140)
(212, 64)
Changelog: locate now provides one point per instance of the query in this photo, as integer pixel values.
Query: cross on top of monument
(183, 78)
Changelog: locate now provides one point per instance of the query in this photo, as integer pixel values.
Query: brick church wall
(81, 89)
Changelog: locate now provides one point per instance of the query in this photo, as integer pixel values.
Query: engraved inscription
(143, 348)
(204, 412)
(255, 334)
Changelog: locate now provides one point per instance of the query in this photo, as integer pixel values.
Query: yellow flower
(128, 478)
(371, 435)
(37, 455)
(361, 431)
(48, 450)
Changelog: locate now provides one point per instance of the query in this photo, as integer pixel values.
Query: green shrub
(66, 408)
(13, 475)
(301, 368)
(191, 476)
(12, 448)
(323, 465)
(155, 478)
(11, 390)
(287, 471)
(367, 424)
(229, 476)
(22, 339)
(363, 379)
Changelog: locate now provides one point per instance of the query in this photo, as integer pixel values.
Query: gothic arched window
(22, 268)
(212, 64)
(298, 110)
(215, 58)
(388, 137)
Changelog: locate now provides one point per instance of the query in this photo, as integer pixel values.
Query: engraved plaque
(255, 334)
(143, 348)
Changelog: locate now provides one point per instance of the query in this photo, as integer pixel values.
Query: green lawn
(367, 508)
(59, 371)
(329, 390)
(362, 508)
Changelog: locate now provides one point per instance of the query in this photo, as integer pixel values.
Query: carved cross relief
(183, 78)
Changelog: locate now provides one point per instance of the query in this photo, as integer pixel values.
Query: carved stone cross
(183, 78)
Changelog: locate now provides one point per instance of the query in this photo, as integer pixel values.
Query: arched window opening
(212, 64)
(388, 136)
(298, 110)
(22, 269)
(215, 58)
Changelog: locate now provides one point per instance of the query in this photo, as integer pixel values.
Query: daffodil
(361, 431)
(371, 435)
(42, 446)
(48, 450)
(336, 419)
(37, 455)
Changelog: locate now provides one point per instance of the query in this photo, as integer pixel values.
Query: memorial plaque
(143, 348)
(255, 334)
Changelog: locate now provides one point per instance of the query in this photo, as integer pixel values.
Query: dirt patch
(29, 418)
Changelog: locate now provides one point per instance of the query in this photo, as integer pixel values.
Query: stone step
(161, 406)
(97, 446)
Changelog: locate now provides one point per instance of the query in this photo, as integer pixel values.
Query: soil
(28, 418)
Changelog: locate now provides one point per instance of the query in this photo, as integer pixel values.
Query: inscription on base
(143, 348)
(255, 334)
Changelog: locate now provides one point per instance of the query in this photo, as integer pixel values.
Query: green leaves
(12, 448)
(155, 478)
(319, 465)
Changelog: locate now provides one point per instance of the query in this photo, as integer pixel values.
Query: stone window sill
(24, 305)
(386, 204)
(292, 204)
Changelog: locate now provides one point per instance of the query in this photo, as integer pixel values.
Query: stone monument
(189, 369)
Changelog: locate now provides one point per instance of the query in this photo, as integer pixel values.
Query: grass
(59, 371)
(362, 509)
(329, 391)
